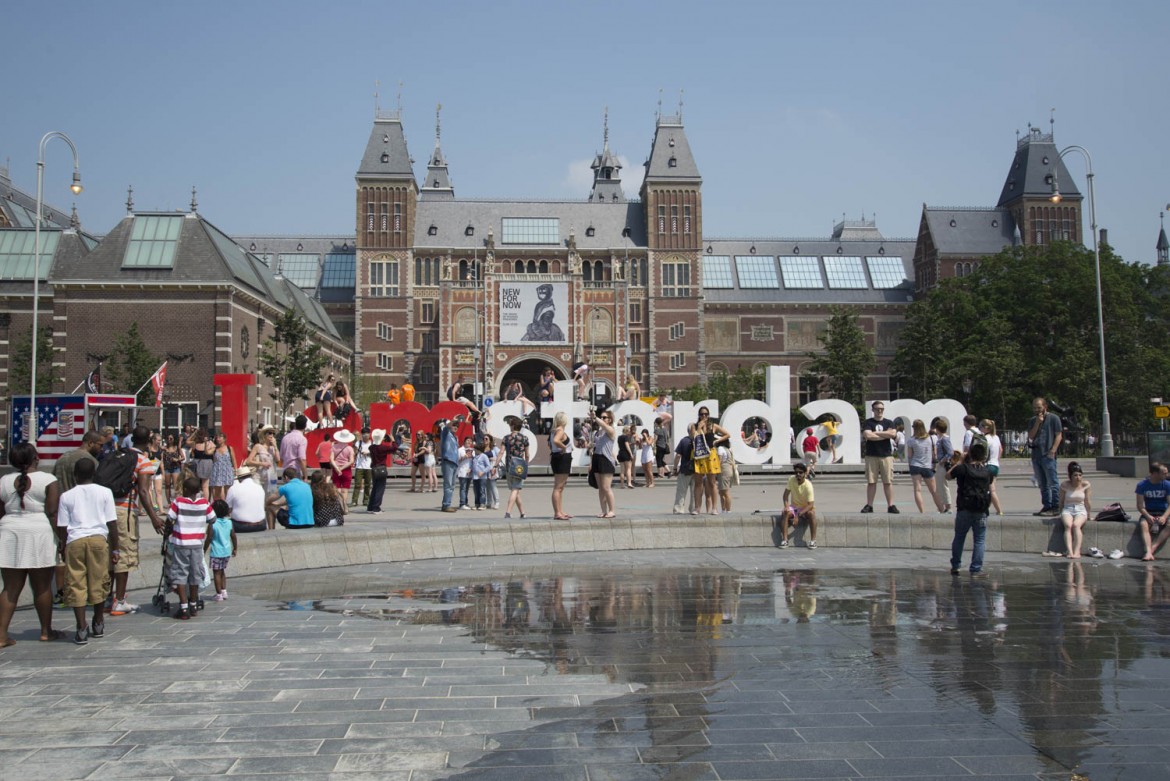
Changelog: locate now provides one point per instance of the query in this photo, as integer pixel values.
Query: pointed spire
(1163, 243)
(194, 203)
(130, 199)
(605, 130)
(377, 98)
(607, 181)
(75, 221)
(438, 123)
(680, 104)
(437, 185)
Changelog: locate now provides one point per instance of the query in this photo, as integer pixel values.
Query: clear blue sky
(796, 112)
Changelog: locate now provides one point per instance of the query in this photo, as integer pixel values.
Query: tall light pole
(1106, 428)
(31, 435)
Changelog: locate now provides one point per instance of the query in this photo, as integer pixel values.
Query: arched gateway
(527, 371)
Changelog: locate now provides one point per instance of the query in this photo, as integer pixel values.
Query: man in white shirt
(970, 431)
(87, 526)
(246, 498)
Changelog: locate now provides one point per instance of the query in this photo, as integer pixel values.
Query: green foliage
(20, 362)
(130, 365)
(745, 383)
(291, 360)
(842, 370)
(1024, 324)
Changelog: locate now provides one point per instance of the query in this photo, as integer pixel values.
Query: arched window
(544, 267)
(532, 267)
(519, 267)
(600, 326)
(466, 325)
(587, 271)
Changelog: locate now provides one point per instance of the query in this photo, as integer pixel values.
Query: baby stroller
(164, 588)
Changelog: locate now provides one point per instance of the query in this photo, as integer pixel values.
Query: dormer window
(436, 184)
(672, 162)
(590, 231)
(671, 142)
(433, 230)
(469, 230)
(385, 158)
(385, 138)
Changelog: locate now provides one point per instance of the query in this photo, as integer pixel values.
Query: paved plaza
(728, 663)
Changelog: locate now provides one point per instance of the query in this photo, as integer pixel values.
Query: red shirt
(810, 444)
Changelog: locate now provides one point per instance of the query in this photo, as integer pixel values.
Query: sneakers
(892, 510)
(122, 607)
(1051, 513)
(449, 510)
(783, 544)
(183, 614)
(1096, 553)
(220, 597)
(867, 509)
(954, 570)
(812, 543)
(97, 631)
(224, 592)
(1115, 554)
(464, 507)
(81, 636)
(495, 505)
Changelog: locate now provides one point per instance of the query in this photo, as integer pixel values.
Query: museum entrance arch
(527, 371)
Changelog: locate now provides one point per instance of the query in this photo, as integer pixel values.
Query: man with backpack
(973, 500)
(128, 472)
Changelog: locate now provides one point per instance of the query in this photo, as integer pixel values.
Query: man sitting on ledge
(799, 505)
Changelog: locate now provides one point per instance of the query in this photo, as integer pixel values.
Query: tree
(745, 383)
(842, 370)
(131, 364)
(291, 360)
(20, 362)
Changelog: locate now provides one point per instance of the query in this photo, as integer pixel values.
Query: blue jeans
(969, 521)
(448, 469)
(464, 487)
(1045, 469)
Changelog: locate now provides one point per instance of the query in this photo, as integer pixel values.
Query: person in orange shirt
(407, 392)
(394, 396)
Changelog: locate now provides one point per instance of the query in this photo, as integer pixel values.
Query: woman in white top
(604, 462)
(920, 458)
(28, 543)
(994, 451)
(1076, 502)
(646, 456)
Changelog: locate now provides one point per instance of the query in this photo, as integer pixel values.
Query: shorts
(127, 541)
(810, 458)
(725, 476)
(343, 479)
(242, 527)
(660, 458)
(922, 471)
(994, 470)
(515, 483)
(562, 463)
(87, 571)
(709, 465)
(220, 564)
(879, 467)
(185, 565)
(601, 465)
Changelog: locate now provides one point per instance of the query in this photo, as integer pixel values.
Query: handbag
(380, 472)
(592, 479)
(517, 469)
(1113, 512)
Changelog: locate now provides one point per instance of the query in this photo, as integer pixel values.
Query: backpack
(975, 489)
(116, 471)
(1113, 512)
(980, 437)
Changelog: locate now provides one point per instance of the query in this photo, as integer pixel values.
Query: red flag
(159, 381)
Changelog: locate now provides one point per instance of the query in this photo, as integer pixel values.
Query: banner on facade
(534, 313)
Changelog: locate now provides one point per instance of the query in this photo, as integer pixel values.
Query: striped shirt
(189, 518)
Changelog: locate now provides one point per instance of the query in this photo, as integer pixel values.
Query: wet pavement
(688, 664)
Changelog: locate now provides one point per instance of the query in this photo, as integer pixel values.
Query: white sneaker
(495, 505)
(464, 507)
(123, 607)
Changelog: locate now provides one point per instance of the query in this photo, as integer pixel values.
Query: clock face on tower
(245, 342)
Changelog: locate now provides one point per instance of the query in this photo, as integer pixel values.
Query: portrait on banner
(534, 312)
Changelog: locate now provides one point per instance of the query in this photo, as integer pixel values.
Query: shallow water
(1050, 668)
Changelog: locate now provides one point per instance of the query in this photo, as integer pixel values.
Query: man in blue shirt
(295, 498)
(1045, 434)
(449, 460)
(1153, 505)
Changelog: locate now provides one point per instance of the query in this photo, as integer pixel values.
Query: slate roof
(451, 219)
(437, 185)
(203, 255)
(386, 154)
(20, 208)
(336, 260)
(974, 232)
(658, 166)
(821, 248)
(1163, 243)
(1036, 159)
(72, 246)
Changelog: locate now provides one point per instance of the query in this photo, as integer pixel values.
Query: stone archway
(527, 371)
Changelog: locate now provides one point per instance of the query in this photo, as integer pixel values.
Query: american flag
(60, 424)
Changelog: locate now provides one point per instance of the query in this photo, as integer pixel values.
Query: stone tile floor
(686, 664)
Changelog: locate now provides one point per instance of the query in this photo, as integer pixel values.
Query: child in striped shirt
(188, 517)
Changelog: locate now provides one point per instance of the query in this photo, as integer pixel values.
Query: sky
(797, 113)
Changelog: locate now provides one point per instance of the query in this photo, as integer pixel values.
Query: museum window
(544, 267)
(383, 278)
(807, 390)
(426, 271)
(426, 373)
(674, 219)
(428, 341)
(676, 280)
(385, 362)
(686, 219)
(677, 361)
(385, 216)
(370, 217)
(662, 219)
(398, 218)
(428, 312)
(636, 312)
(635, 342)
(677, 331)
(519, 267)
(638, 275)
(385, 332)
(636, 371)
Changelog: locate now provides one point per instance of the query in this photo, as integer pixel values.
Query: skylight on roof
(530, 230)
(756, 272)
(845, 273)
(801, 273)
(886, 272)
(302, 269)
(340, 270)
(18, 251)
(153, 241)
(717, 272)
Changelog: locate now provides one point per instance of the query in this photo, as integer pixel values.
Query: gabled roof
(1036, 164)
(451, 219)
(17, 251)
(386, 154)
(670, 143)
(20, 209)
(972, 232)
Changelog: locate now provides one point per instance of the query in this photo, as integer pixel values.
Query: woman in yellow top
(833, 437)
(708, 436)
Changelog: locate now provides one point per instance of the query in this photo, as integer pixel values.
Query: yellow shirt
(800, 495)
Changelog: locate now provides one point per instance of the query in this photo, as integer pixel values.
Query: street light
(31, 436)
(1106, 428)
(968, 389)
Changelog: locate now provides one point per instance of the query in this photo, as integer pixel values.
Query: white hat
(377, 435)
(244, 471)
(344, 436)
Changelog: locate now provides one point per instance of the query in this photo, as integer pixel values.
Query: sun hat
(377, 435)
(244, 471)
(344, 436)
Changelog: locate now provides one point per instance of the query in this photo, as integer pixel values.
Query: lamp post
(31, 434)
(968, 389)
(1106, 428)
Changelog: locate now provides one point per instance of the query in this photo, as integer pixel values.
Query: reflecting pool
(689, 671)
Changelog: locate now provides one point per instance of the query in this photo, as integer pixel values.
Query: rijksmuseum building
(432, 287)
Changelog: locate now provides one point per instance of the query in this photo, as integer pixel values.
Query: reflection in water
(1040, 664)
